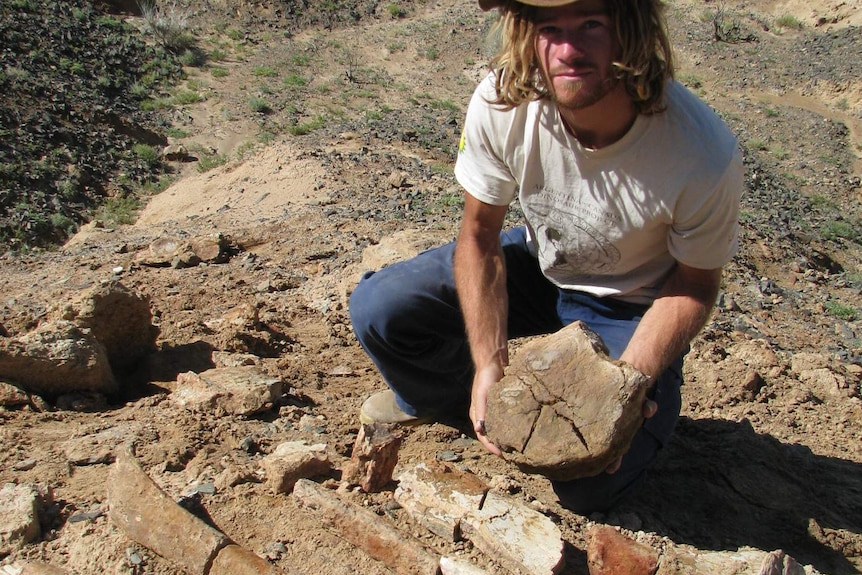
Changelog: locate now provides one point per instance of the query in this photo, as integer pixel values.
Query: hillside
(322, 144)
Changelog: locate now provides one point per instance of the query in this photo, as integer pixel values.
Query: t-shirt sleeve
(705, 231)
(481, 167)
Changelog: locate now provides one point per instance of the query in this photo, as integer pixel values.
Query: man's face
(576, 45)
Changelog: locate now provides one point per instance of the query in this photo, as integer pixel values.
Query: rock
(145, 513)
(19, 516)
(746, 561)
(56, 358)
(12, 396)
(374, 457)
(235, 560)
(32, 568)
(438, 496)
(780, 563)
(609, 552)
(451, 566)
(291, 461)
(366, 530)
(516, 536)
(177, 253)
(453, 503)
(99, 447)
(227, 390)
(120, 319)
(564, 408)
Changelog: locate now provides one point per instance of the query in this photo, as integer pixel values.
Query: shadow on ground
(719, 485)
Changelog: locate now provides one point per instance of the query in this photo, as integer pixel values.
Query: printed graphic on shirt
(568, 244)
(462, 143)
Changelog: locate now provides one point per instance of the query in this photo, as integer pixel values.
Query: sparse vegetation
(789, 21)
(66, 115)
(840, 310)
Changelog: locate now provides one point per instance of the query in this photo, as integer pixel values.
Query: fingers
(614, 466)
(482, 382)
(650, 408)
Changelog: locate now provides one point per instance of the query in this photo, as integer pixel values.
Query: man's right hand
(482, 382)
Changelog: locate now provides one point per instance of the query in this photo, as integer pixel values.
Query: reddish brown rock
(374, 457)
(564, 408)
(609, 552)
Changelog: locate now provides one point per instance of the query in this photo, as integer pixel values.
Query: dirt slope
(769, 452)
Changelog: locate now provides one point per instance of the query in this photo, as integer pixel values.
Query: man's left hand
(649, 409)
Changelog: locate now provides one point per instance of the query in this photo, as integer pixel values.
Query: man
(630, 189)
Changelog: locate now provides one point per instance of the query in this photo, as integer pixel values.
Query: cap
(488, 4)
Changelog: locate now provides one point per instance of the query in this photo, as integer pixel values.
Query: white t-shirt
(610, 222)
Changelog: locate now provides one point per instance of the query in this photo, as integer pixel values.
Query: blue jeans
(407, 318)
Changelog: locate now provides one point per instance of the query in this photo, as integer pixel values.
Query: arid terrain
(347, 166)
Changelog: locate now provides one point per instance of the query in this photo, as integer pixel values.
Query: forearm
(678, 314)
(480, 278)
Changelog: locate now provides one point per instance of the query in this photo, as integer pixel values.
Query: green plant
(840, 229)
(118, 210)
(294, 81)
(207, 162)
(146, 153)
(219, 72)
(691, 81)
(259, 105)
(840, 310)
(185, 97)
(264, 71)
(301, 60)
(395, 11)
(168, 23)
(789, 21)
(304, 128)
(757, 144)
(779, 152)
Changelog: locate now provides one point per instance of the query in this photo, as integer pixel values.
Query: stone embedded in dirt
(452, 566)
(564, 409)
(609, 552)
(57, 357)
(32, 568)
(235, 560)
(292, 461)
(99, 447)
(374, 457)
(515, 535)
(780, 563)
(145, 513)
(19, 516)
(363, 528)
(177, 253)
(228, 390)
(119, 318)
(12, 396)
(438, 496)
(450, 503)
(745, 561)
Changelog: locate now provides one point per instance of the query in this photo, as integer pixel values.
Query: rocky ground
(347, 167)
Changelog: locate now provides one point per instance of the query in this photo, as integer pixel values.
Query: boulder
(56, 358)
(564, 409)
(228, 390)
(119, 318)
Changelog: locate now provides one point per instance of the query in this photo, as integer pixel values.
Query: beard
(580, 93)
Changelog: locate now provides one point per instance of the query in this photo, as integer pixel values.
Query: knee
(364, 305)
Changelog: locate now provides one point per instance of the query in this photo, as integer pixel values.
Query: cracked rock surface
(564, 408)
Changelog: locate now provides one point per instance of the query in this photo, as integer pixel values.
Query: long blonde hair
(644, 66)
